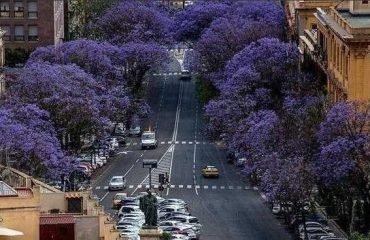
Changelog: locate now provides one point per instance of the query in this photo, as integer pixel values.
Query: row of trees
(275, 116)
(79, 88)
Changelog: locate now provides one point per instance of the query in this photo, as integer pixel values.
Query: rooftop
(356, 21)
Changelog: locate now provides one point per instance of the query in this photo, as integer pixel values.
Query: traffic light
(161, 178)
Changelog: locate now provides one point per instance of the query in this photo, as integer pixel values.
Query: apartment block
(32, 23)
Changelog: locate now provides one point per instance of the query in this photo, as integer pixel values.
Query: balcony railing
(5, 13)
(33, 38)
(19, 38)
(18, 14)
(32, 15)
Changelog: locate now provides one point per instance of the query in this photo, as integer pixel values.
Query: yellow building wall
(21, 214)
(359, 77)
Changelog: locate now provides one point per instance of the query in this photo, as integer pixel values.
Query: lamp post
(150, 164)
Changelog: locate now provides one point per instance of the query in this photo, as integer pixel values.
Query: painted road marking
(190, 142)
(97, 188)
(188, 186)
(239, 187)
(231, 187)
(205, 187)
(177, 142)
(162, 142)
(105, 187)
(172, 186)
(183, 142)
(214, 187)
(134, 144)
(197, 186)
(181, 186)
(222, 187)
(169, 142)
(131, 186)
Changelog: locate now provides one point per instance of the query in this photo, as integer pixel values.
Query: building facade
(341, 48)
(39, 211)
(2, 62)
(32, 23)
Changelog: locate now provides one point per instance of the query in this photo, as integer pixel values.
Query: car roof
(117, 177)
(210, 166)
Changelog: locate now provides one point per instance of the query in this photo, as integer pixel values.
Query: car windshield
(148, 136)
(115, 180)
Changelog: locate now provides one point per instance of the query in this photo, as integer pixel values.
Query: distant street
(227, 207)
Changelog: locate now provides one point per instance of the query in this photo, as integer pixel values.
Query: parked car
(117, 183)
(179, 237)
(135, 131)
(174, 201)
(181, 230)
(210, 171)
(167, 223)
(186, 219)
(171, 208)
(149, 140)
(312, 230)
(128, 209)
(116, 203)
(130, 201)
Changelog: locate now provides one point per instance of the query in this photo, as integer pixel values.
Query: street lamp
(150, 164)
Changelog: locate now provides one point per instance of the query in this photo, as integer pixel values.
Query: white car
(135, 131)
(117, 183)
(128, 209)
(148, 140)
(173, 201)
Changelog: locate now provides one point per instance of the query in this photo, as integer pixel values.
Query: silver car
(117, 183)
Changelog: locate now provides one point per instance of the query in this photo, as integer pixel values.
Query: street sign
(150, 163)
(161, 178)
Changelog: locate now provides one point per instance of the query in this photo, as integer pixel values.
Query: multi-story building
(341, 48)
(32, 23)
(300, 15)
(36, 210)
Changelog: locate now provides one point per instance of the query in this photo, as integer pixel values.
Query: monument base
(150, 233)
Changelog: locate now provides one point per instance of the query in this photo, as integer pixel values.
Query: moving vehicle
(116, 204)
(134, 131)
(117, 183)
(185, 75)
(148, 140)
(210, 171)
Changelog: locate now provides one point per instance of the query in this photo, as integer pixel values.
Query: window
(6, 36)
(314, 26)
(32, 9)
(365, 1)
(18, 9)
(33, 33)
(4, 9)
(19, 33)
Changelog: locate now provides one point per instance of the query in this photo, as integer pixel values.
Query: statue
(148, 204)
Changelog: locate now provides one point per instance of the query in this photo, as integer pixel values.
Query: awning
(53, 219)
(9, 232)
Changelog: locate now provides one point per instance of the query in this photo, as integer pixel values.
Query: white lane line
(137, 160)
(97, 188)
(147, 186)
(188, 186)
(134, 144)
(105, 195)
(239, 187)
(176, 142)
(231, 187)
(172, 186)
(194, 158)
(247, 188)
(197, 186)
(155, 186)
(222, 187)
(197, 142)
(255, 188)
(133, 165)
(162, 142)
(190, 142)
(142, 155)
(183, 142)
(214, 187)
(169, 142)
(205, 187)
(140, 186)
(105, 187)
(181, 186)
(128, 144)
(131, 186)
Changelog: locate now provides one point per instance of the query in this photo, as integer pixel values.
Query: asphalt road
(227, 207)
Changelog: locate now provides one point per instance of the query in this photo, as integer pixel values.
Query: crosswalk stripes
(182, 186)
(177, 142)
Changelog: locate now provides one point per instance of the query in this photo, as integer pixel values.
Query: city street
(227, 207)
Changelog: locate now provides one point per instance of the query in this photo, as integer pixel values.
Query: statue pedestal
(150, 233)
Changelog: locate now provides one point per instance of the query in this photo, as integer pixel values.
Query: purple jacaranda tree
(343, 162)
(28, 138)
(101, 59)
(131, 21)
(193, 20)
(74, 99)
(138, 59)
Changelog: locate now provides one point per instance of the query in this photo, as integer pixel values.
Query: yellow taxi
(210, 171)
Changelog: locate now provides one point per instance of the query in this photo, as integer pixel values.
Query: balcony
(32, 15)
(4, 13)
(19, 14)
